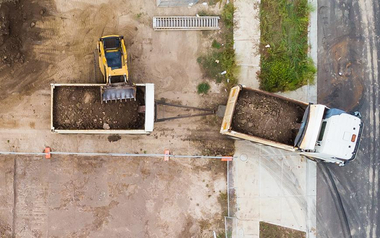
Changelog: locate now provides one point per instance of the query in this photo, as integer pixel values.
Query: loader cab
(111, 43)
(113, 51)
(113, 59)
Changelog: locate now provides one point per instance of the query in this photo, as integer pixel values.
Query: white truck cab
(331, 135)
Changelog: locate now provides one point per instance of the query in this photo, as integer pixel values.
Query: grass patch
(203, 13)
(214, 2)
(268, 230)
(224, 234)
(285, 64)
(216, 44)
(222, 199)
(203, 88)
(222, 56)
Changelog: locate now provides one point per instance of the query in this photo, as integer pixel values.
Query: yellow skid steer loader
(113, 65)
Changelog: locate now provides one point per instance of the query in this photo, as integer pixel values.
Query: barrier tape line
(116, 154)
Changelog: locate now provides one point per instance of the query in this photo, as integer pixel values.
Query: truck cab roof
(330, 132)
(339, 136)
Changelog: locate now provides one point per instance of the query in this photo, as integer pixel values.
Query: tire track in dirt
(21, 71)
(357, 183)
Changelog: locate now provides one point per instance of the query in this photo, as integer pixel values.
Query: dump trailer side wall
(149, 107)
(227, 129)
(149, 115)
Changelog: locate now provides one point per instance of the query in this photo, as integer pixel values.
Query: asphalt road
(348, 56)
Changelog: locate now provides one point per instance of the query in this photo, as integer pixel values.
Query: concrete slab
(274, 186)
(248, 76)
(249, 53)
(248, 228)
(247, 39)
(248, 208)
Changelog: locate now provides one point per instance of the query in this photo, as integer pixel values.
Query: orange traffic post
(227, 158)
(167, 153)
(47, 153)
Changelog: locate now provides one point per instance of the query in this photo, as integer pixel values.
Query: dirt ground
(81, 197)
(267, 117)
(109, 197)
(81, 108)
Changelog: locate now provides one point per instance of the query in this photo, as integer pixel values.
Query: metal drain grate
(186, 23)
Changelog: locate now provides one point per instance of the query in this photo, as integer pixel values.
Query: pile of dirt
(267, 117)
(17, 24)
(81, 108)
(10, 42)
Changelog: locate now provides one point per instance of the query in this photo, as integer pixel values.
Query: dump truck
(313, 130)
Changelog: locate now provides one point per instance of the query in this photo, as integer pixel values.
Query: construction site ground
(53, 41)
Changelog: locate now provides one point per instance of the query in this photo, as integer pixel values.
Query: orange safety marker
(47, 153)
(227, 158)
(167, 153)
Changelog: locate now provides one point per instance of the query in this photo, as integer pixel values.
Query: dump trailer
(79, 109)
(312, 130)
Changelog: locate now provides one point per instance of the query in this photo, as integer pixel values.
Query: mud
(341, 66)
(18, 34)
(10, 33)
(267, 117)
(81, 108)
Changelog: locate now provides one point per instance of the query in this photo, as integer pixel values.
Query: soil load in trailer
(79, 108)
(268, 117)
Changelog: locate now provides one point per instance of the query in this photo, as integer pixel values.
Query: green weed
(216, 44)
(203, 88)
(203, 13)
(222, 57)
(285, 64)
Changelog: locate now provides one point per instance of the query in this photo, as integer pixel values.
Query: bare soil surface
(10, 33)
(17, 32)
(81, 108)
(267, 117)
(96, 197)
(268, 230)
(109, 197)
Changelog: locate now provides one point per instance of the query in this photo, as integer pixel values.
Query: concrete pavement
(274, 186)
(247, 40)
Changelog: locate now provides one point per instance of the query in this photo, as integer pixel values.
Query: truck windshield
(322, 132)
(302, 129)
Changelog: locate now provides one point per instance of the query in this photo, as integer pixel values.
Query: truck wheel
(97, 75)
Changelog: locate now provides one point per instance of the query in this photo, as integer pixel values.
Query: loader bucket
(116, 93)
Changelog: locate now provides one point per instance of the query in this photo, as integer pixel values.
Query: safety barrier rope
(47, 153)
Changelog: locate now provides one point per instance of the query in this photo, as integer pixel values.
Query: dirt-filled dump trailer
(78, 109)
(316, 131)
(262, 117)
